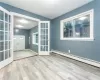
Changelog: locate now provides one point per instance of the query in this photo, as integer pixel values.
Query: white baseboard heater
(85, 60)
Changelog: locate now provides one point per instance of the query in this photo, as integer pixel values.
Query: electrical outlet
(68, 51)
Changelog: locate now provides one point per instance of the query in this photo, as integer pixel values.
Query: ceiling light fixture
(20, 26)
(82, 18)
(23, 21)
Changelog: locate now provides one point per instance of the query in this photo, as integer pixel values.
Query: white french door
(44, 37)
(6, 32)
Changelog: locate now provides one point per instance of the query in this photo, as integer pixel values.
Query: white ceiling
(28, 25)
(47, 8)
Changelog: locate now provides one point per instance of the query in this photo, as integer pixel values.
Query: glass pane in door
(46, 42)
(6, 17)
(46, 37)
(9, 49)
(43, 42)
(1, 35)
(6, 45)
(9, 53)
(46, 47)
(9, 45)
(1, 46)
(1, 25)
(42, 25)
(6, 36)
(1, 56)
(42, 48)
(46, 31)
(43, 31)
(6, 27)
(9, 18)
(1, 15)
(47, 25)
(42, 37)
(9, 33)
(6, 54)
(9, 27)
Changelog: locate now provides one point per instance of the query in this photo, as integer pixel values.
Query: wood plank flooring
(53, 67)
(23, 54)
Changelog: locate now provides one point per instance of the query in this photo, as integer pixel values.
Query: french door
(5, 38)
(44, 38)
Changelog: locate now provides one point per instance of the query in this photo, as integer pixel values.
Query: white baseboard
(85, 60)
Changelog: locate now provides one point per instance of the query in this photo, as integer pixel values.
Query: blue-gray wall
(25, 33)
(32, 46)
(21, 11)
(87, 49)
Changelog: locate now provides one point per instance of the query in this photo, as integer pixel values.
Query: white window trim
(91, 38)
(33, 39)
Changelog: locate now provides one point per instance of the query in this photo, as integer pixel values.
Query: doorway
(7, 36)
(43, 34)
(23, 37)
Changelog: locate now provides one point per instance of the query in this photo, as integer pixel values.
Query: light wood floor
(53, 67)
(23, 54)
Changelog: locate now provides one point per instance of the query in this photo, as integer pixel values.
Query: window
(79, 27)
(35, 38)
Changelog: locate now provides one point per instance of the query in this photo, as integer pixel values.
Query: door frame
(35, 19)
(24, 16)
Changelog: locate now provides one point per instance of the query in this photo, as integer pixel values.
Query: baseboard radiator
(85, 60)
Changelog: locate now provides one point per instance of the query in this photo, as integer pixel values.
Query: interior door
(19, 42)
(44, 38)
(6, 32)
